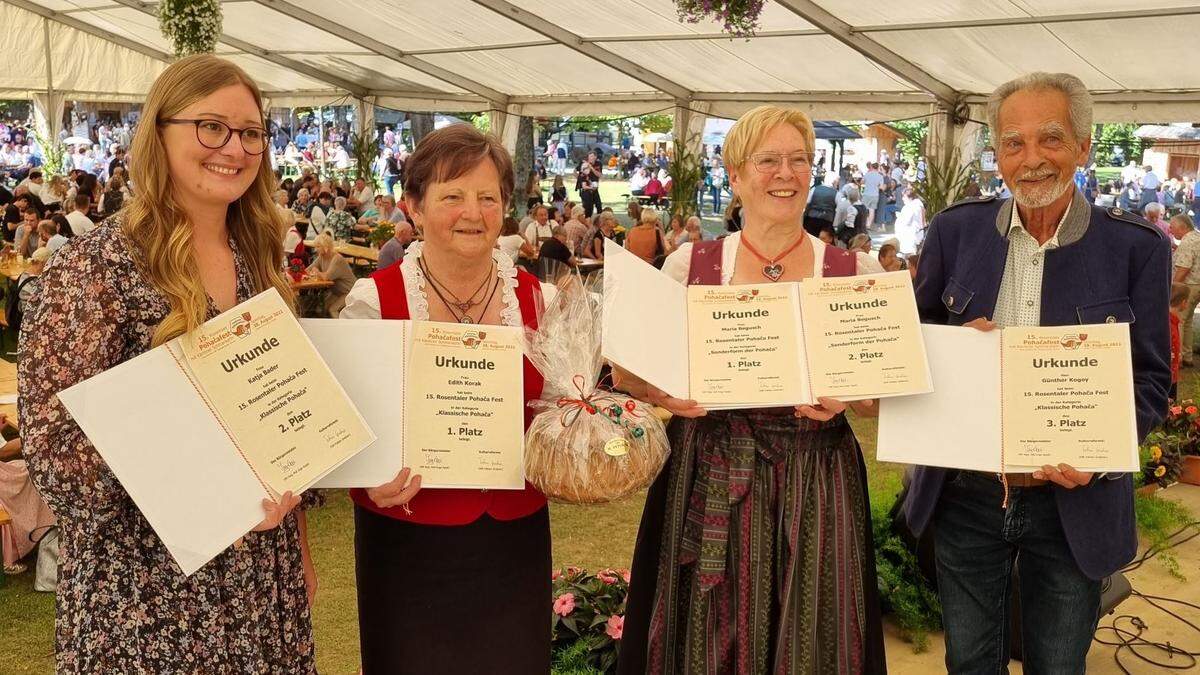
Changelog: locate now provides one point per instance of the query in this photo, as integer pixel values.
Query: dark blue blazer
(1110, 266)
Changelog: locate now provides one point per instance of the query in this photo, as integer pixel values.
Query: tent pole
(321, 139)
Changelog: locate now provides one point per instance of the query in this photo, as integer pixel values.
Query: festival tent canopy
(835, 59)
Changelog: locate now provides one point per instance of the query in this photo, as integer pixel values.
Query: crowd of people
(758, 513)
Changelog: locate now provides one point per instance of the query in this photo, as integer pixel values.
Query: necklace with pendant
(772, 268)
(462, 306)
(460, 309)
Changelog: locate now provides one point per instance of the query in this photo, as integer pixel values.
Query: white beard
(1038, 198)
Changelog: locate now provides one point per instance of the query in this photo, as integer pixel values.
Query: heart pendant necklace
(772, 268)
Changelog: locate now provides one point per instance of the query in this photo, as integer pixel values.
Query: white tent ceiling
(837, 59)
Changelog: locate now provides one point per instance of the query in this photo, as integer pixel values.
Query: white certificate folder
(960, 424)
(164, 441)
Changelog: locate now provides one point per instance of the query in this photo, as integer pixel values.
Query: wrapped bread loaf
(587, 445)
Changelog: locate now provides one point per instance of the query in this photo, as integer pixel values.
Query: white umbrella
(76, 140)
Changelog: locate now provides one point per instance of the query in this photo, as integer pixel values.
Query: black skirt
(463, 599)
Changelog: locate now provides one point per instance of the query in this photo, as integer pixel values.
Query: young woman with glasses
(200, 235)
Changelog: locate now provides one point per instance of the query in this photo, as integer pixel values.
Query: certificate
(447, 400)
(863, 336)
(744, 346)
(240, 410)
(764, 345)
(1016, 399)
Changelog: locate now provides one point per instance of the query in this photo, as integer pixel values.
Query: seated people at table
(540, 229)
(889, 258)
(19, 498)
(27, 238)
(49, 237)
(360, 197)
(693, 230)
(453, 581)
(64, 226)
(675, 235)
(29, 284)
(579, 229)
(320, 211)
(340, 224)
(388, 212)
(646, 239)
(329, 265)
(81, 224)
(55, 193)
(281, 205)
(654, 190)
(555, 248)
(511, 242)
(13, 214)
(123, 606)
(638, 181)
(114, 196)
(606, 226)
(393, 250)
(303, 203)
(371, 213)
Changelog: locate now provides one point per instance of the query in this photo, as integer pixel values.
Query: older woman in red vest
(453, 581)
(755, 554)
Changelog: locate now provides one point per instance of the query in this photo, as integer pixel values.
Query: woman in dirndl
(453, 581)
(755, 552)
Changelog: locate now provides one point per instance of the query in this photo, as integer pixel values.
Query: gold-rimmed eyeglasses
(771, 162)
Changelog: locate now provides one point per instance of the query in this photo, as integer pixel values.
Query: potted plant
(1162, 462)
(1182, 431)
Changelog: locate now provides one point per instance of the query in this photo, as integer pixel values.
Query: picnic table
(13, 269)
(352, 251)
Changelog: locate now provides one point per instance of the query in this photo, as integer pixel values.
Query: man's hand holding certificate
(1017, 399)
(764, 345)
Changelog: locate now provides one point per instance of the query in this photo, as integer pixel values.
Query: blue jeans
(716, 198)
(976, 543)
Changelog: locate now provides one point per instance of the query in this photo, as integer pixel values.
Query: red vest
(461, 507)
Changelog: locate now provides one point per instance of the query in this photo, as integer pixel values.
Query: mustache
(1037, 175)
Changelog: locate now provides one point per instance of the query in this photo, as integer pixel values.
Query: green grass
(1157, 520)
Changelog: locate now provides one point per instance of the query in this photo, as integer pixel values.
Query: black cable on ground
(1130, 639)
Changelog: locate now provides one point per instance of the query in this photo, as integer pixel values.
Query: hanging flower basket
(192, 26)
(739, 17)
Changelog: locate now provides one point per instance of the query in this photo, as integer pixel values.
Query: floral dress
(123, 604)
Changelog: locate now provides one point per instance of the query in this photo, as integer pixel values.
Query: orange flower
(1155, 453)
(1191, 410)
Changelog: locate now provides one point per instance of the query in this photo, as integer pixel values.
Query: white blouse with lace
(679, 264)
(363, 299)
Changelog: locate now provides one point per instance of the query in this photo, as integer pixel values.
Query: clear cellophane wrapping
(586, 445)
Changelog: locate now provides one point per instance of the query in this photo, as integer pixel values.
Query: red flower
(1176, 410)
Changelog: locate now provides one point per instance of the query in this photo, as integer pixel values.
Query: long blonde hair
(155, 222)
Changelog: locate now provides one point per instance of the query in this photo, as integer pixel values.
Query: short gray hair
(339, 202)
(578, 211)
(1153, 206)
(1079, 101)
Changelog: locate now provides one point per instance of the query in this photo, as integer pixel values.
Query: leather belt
(1016, 480)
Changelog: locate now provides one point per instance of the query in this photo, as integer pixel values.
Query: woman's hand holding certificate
(239, 410)
(764, 345)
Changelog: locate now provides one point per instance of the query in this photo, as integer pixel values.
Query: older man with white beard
(1045, 257)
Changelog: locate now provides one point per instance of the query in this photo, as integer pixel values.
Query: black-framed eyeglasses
(214, 134)
(770, 162)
